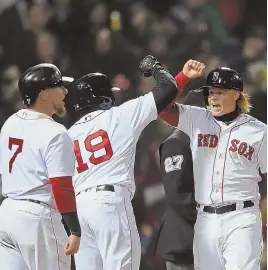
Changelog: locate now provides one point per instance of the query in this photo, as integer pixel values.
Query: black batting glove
(148, 65)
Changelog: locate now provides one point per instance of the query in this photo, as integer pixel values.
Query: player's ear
(43, 95)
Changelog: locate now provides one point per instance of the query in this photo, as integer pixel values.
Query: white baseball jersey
(105, 143)
(34, 148)
(226, 158)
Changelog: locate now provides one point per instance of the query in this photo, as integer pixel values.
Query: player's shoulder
(53, 131)
(9, 121)
(57, 128)
(254, 121)
(132, 104)
(88, 120)
(194, 110)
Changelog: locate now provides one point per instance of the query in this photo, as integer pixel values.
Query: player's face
(56, 96)
(222, 101)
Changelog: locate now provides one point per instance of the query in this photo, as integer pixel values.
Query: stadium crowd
(112, 37)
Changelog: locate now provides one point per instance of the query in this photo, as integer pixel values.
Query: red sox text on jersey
(242, 148)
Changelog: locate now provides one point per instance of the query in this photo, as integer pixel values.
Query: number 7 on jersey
(19, 143)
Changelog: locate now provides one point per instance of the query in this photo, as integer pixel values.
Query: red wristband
(181, 80)
(63, 192)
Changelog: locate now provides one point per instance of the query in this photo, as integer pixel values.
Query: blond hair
(243, 103)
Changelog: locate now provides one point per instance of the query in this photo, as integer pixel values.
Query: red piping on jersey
(222, 180)
(64, 194)
(56, 240)
(130, 236)
(212, 180)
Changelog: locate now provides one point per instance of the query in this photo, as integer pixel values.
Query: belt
(225, 208)
(99, 188)
(30, 200)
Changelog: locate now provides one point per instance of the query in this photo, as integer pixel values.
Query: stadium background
(112, 37)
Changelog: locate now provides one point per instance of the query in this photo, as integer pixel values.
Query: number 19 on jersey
(92, 148)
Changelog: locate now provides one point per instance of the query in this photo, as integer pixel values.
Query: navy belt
(30, 200)
(99, 188)
(225, 208)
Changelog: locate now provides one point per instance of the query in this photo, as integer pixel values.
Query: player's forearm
(165, 90)
(72, 222)
(181, 81)
(171, 113)
(64, 196)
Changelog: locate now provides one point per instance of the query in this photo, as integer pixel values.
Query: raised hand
(193, 69)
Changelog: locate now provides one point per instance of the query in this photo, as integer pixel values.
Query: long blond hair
(243, 103)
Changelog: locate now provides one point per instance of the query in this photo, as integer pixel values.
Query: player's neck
(228, 117)
(41, 109)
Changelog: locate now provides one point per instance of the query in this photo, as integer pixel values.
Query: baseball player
(175, 236)
(105, 138)
(228, 149)
(37, 164)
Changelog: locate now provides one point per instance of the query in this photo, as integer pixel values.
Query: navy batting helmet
(224, 78)
(38, 78)
(92, 91)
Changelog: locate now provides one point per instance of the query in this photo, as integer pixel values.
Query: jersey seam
(37, 118)
(260, 148)
(212, 180)
(79, 123)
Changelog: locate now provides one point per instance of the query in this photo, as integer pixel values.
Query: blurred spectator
(10, 101)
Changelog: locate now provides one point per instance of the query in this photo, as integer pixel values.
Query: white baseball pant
(110, 239)
(32, 237)
(230, 241)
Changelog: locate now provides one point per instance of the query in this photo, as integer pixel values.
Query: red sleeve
(181, 81)
(64, 195)
(170, 115)
(265, 176)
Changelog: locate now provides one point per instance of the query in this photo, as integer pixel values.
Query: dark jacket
(175, 237)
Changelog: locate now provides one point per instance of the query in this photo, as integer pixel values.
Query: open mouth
(216, 106)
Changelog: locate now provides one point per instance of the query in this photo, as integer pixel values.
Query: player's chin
(217, 111)
(60, 112)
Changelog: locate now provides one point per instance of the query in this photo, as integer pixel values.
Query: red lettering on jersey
(213, 141)
(243, 149)
(104, 144)
(17, 142)
(250, 152)
(233, 146)
(205, 140)
(92, 148)
(81, 165)
(200, 138)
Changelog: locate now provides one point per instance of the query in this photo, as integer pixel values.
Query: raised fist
(147, 65)
(193, 69)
